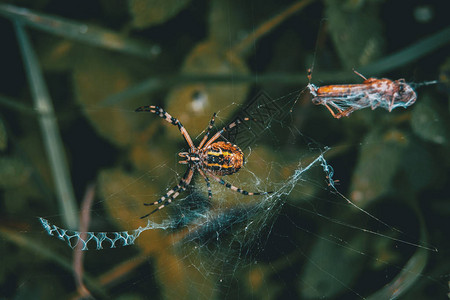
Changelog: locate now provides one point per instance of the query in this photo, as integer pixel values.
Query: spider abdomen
(223, 158)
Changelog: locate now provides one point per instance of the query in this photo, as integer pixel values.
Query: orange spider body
(222, 158)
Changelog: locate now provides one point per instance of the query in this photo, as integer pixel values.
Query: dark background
(394, 165)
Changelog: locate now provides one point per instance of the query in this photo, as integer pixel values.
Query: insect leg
(331, 111)
(345, 113)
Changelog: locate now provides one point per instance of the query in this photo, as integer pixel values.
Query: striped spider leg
(211, 158)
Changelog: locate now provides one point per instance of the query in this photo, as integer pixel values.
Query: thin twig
(78, 255)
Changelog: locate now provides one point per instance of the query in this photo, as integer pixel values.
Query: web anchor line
(100, 239)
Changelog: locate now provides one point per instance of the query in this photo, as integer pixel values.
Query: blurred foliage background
(94, 62)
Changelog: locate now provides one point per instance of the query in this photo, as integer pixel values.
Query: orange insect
(342, 100)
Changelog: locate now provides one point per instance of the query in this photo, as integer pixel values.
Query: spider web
(224, 241)
(262, 112)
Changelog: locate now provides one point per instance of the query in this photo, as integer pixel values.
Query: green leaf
(13, 172)
(356, 30)
(378, 163)
(327, 262)
(428, 123)
(147, 13)
(194, 104)
(99, 74)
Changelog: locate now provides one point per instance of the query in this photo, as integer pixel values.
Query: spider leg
(208, 183)
(226, 128)
(168, 194)
(173, 193)
(166, 116)
(234, 188)
(211, 123)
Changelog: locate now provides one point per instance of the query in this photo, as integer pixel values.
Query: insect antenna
(415, 85)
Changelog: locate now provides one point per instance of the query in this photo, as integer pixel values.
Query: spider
(210, 158)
